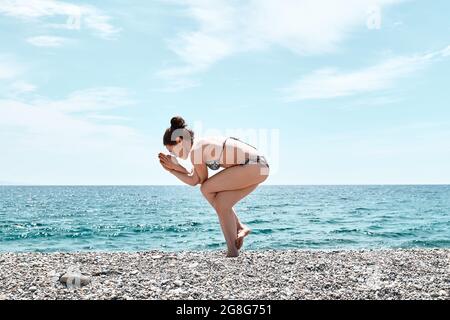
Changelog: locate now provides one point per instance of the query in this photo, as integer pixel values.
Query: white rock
(75, 280)
(177, 291)
(178, 283)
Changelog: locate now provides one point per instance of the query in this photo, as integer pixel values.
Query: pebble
(271, 274)
(177, 291)
(178, 283)
(165, 281)
(75, 280)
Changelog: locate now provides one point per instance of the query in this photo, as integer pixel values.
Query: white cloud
(228, 27)
(446, 52)
(69, 140)
(47, 41)
(178, 84)
(106, 117)
(77, 16)
(10, 71)
(9, 68)
(47, 143)
(64, 113)
(19, 87)
(7, 71)
(93, 99)
(331, 83)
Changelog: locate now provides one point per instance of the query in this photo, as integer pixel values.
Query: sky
(332, 92)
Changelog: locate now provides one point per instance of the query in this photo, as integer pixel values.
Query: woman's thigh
(234, 178)
(227, 199)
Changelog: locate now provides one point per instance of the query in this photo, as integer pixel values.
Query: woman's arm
(179, 168)
(198, 175)
(188, 178)
(171, 163)
(191, 178)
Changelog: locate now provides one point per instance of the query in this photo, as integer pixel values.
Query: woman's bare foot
(232, 254)
(242, 233)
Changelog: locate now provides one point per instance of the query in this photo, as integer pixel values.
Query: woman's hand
(168, 162)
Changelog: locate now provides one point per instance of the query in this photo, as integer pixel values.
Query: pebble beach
(274, 274)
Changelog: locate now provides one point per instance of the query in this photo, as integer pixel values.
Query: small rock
(52, 273)
(76, 280)
(288, 292)
(155, 289)
(32, 289)
(178, 283)
(106, 273)
(165, 281)
(177, 291)
(134, 272)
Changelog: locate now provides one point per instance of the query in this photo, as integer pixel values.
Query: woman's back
(222, 150)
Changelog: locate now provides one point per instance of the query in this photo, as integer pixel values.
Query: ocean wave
(124, 218)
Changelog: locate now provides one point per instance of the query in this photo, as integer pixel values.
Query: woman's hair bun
(177, 123)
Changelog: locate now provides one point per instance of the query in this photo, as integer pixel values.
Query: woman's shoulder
(205, 144)
(208, 140)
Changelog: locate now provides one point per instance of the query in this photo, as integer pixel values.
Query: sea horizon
(262, 185)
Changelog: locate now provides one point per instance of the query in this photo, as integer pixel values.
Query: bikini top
(215, 164)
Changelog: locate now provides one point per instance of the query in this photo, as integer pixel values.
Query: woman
(244, 170)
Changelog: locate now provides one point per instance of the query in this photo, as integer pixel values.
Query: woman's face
(179, 150)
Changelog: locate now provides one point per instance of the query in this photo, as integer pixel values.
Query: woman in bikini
(244, 170)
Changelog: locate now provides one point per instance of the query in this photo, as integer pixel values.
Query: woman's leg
(228, 225)
(234, 178)
(234, 231)
(225, 200)
(242, 231)
(224, 190)
(240, 226)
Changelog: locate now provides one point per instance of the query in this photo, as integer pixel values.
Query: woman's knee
(221, 205)
(204, 189)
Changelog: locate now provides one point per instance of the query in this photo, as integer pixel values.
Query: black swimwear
(215, 164)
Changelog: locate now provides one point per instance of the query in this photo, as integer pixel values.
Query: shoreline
(271, 274)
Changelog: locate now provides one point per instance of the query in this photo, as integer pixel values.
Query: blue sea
(173, 218)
